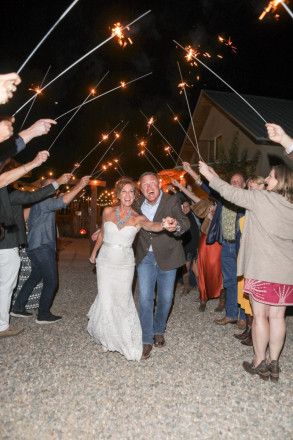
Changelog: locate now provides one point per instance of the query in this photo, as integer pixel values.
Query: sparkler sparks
(123, 84)
(272, 6)
(117, 31)
(227, 43)
(37, 90)
(82, 58)
(151, 121)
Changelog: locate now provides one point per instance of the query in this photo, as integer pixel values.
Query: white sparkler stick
(82, 58)
(153, 125)
(59, 134)
(221, 79)
(47, 34)
(109, 148)
(144, 155)
(177, 120)
(190, 115)
(35, 97)
(287, 8)
(103, 94)
(79, 163)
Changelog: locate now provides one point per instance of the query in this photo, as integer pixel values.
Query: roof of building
(274, 110)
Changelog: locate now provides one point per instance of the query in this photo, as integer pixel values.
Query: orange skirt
(210, 281)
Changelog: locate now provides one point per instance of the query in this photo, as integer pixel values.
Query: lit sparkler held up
(151, 123)
(189, 112)
(272, 6)
(92, 92)
(38, 91)
(82, 58)
(115, 139)
(221, 79)
(103, 94)
(104, 137)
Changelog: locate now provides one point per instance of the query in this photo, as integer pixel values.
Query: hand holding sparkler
(8, 85)
(70, 195)
(206, 170)
(6, 128)
(277, 134)
(39, 128)
(62, 180)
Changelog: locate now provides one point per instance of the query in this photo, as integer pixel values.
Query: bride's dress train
(113, 319)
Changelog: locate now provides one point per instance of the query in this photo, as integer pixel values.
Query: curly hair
(119, 185)
(284, 176)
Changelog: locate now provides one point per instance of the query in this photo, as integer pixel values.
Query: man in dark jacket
(15, 236)
(158, 255)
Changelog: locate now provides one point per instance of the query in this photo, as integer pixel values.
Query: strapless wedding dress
(113, 319)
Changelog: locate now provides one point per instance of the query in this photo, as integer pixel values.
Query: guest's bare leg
(260, 330)
(194, 269)
(277, 331)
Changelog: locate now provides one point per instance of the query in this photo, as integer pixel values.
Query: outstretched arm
(17, 173)
(188, 193)
(167, 223)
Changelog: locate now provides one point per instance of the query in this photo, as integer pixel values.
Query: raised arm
(17, 173)
(277, 134)
(191, 172)
(69, 196)
(186, 191)
(39, 128)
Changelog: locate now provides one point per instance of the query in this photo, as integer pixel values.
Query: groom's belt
(116, 245)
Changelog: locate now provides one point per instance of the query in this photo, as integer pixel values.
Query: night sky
(260, 66)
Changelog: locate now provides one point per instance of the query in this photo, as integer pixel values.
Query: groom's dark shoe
(146, 351)
(159, 341)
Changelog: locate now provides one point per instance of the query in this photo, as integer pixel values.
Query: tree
(230, 163)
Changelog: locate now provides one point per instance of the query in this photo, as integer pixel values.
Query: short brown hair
(284, 176)
(148, 173)
(119, 185)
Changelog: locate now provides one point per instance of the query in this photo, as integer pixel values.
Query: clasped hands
(170, 224)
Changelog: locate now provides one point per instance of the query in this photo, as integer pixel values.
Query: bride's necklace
(120, 223)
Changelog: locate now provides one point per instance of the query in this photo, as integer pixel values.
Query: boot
(186, 287)
(222, 301)
(247, 332)
(248, 340)
(202, 306)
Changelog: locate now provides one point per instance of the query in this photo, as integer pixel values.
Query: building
(218, 116)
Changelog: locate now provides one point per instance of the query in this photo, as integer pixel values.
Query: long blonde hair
(284, 176)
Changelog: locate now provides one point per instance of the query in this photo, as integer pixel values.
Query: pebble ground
(57, 384)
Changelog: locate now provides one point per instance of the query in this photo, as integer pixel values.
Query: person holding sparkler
(277, 134)
(8, 83)
(113, 320)
(265, 261)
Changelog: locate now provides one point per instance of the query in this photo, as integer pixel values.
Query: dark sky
(260, 66)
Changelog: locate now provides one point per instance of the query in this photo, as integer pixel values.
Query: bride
(113, 319)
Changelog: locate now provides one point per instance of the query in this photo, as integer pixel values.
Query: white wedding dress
(113, 319)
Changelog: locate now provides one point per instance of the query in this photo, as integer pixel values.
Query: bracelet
(198, 181)
(26, 171)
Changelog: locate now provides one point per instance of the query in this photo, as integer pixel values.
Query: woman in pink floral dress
(265, 261)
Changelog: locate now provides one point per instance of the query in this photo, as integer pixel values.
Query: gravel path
(58, 384)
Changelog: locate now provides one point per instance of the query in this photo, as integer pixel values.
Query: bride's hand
(92, 259)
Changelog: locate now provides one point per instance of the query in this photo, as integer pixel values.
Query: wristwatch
(178, 229)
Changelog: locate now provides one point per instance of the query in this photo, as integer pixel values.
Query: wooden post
(95, 213)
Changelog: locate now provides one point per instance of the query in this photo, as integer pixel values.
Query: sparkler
(77, 165)
(82, 58)
(103, 94)
(273, 6)
(227, 43)
(142, 154)
(167, 142)
(92, 92)
(177, 120)
(168, 151)
(115, 139)
(34, 98)
(190, 115)
(118, 31)
(47, 34)
(221, 79)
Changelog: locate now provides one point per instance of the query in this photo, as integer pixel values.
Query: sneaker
(24, 314)
(11, 331)
(48, 320)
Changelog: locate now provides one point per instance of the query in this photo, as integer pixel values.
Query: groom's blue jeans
(149, 274)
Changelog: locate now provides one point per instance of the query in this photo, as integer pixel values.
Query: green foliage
(230, 163)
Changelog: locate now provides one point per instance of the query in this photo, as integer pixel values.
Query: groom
(158, 255)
